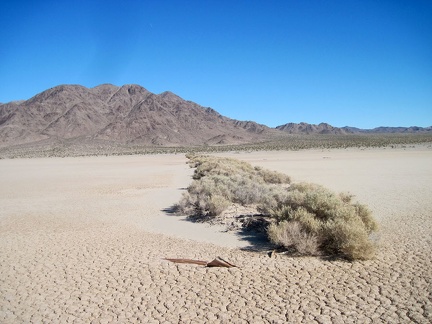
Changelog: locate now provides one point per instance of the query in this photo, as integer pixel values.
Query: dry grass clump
(308, 218)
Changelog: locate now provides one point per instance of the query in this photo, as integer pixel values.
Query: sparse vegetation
(305, 218)
(220, 182)
(284, 143)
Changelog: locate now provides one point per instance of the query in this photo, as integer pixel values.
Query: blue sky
(358, 63)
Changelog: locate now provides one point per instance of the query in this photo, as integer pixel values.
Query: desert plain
(83, 240)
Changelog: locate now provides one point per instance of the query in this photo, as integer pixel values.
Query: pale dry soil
(82, 240)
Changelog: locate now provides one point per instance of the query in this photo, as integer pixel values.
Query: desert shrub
(219, 182)
(366, 216)
(340, 226)
(206, 197)
(351, 239)
(217, 204)
(345, 197)
(272, 176)
(309, 219)
(209, 165)
(272, 200)
(292, 236)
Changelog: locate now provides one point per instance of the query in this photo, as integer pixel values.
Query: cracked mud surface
(82, 240)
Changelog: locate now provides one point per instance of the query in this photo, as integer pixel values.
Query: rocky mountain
(305, 128)
(389, 130)
(129, 115)
(323, 128)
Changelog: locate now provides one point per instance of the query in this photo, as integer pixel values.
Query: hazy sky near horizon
(361, 63)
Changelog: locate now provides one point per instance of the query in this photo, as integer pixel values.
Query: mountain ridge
(129, 114)
(132, 115)
(324, 128)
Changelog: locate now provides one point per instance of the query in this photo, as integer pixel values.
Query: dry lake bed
(83, 240)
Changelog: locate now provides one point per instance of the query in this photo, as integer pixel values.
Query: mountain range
(324, 128)
(130, 114)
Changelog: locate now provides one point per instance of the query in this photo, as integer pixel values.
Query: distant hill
(129, 114)
(323, 128)
(305, 128)
(389, 130)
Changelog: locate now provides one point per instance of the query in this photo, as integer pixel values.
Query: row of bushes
(220, 182)
(307, 219)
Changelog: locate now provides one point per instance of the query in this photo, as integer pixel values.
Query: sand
(83, 240)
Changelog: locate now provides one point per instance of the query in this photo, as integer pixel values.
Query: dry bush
(206, 197)
(342, 228)
(209, 165)
(272, 176)
(217, 204)
(310, 219)
(218, 182)
(292, 236)
(351, 239)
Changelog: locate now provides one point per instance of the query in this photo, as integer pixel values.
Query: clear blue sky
(363, 63)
